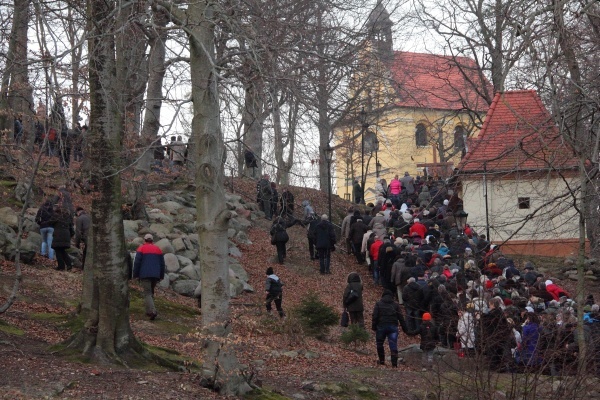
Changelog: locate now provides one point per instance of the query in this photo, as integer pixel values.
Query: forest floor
(286, 363)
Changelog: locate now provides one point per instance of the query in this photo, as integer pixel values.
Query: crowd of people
(454, 288)
(61, 224)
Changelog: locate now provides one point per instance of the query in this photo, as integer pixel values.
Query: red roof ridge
(518, 133)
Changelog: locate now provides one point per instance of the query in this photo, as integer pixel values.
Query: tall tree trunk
(151, 126)
(107, 335)
(253, 119)
(221, 369)
(17, 93)
(577, 137)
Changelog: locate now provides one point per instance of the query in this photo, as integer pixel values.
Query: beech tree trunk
(106, 336)
(151, 126)
(221, 370)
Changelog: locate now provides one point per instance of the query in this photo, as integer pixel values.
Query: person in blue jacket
(149, 268)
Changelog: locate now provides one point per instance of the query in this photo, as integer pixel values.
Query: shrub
(354, 335)
(315, 316)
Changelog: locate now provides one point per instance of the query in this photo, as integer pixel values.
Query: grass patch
(10, 329)
(72, 323)
(264, 394)
(164, 307)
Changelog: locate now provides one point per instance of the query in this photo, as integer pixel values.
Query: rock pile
(171, 221)
(172, 218)
(592, 270)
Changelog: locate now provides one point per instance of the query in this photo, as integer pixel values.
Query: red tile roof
(518, 134)
(438, 82)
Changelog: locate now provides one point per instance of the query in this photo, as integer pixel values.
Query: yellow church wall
(398, 151)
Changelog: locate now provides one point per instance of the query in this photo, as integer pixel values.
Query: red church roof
(518, 134)
(438, 82)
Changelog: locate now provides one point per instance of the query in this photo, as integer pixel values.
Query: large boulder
(36, 239)
(237, 270)
(184, 261)
(170, 206)
(165, 246)
(156, 216)
(131, 225)
(185, 287)
(179, 244)
(171, 262)
(161, 230)
(236, 287)
(9, 217)
(191, 271)
(165, 283)
(191, 254)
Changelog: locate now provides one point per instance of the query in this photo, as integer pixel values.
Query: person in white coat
(466, 329)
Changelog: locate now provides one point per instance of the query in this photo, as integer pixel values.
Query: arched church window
(459, 138)
(421, 135)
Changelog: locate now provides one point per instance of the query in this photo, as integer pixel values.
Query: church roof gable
(518, 134)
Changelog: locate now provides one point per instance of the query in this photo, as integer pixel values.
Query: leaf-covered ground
(277, 354)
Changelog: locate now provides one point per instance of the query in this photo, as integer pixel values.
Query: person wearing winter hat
(555, 290)
(429, 335)
(387, 315)
(274, 292)
(149, 267)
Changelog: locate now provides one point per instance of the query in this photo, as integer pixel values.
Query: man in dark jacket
(82, 227)
(149, 267)
(357, 232)
(274, 292)
(311, 235)
(386, 317)
(325, 242)
(358, 192)
(265, 194)
(414, 300)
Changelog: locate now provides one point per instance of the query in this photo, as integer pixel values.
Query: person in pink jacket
(394, 190)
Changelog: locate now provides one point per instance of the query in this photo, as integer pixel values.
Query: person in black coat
(44, 219)
(357, 232)
(387, 315)
(325, 243)
(279, 238)
(353, 299)
(62, 222)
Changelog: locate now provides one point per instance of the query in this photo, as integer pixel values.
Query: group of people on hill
(273, 203)
(176, 153)
(63, 143)
(456, 288)
(60, 223)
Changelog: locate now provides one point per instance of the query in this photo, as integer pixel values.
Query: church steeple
(379, 30)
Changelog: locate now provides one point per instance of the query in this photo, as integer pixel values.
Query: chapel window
(421, 135)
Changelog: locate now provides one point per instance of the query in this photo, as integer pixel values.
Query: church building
(418, 109)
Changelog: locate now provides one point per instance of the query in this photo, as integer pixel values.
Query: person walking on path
(274, 292)
(149, 268)
(265, 193)
(353, 299)
(387, 315)
(325, 243)
(44, 219)
(279, 238)
(62, 222)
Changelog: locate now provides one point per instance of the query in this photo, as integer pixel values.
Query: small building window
(421, 135)
(524, 203)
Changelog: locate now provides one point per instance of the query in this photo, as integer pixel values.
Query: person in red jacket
(555, 290)
(149, 267)
(374, 254)
(419, 228)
